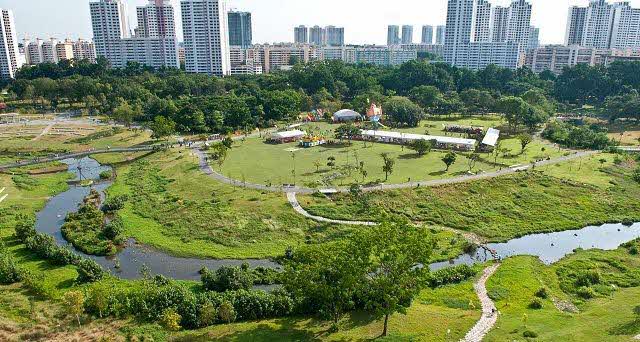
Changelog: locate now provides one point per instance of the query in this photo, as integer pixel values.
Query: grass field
(609, 317)
(498, 209)
(255, 161)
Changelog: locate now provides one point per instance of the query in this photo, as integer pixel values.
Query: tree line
(202, 104)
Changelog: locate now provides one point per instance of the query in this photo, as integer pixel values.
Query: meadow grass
(608, 317)
(499, 208)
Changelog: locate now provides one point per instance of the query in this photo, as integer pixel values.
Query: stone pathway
(637, 337)
(291, 196)
(489, 311)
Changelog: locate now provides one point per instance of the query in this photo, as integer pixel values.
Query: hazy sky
(365, 21)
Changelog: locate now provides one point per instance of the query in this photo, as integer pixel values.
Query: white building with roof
(407, 138)
(490, 139)
(346, 115)
(287, 136)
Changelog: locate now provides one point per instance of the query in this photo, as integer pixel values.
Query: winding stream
(548, 247)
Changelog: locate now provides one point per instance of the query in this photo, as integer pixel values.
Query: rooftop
(491, 139)
(412, 137)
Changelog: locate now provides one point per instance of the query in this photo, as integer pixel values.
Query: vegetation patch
(499, 209)
(88, 231)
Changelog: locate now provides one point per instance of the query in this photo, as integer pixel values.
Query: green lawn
(255, 161)
(605, 318)
(498, 209)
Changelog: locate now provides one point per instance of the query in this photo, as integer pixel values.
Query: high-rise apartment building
(500, 23)
(604, 25)
(64, 50)
(317, 35)
(206, 40)
(427, 34)
(240, 31)
(42, 51)
(110, 24)
(440, 32)
(482, 22)
(534, 38)
(84, 49)
(519, 23)
(625, 30)
(393, 35)
(575, 25)
(9, 63)
(155, 43)
(301, 34)
(407, 34)
(334, 36)
(468, 36)
(598, 24)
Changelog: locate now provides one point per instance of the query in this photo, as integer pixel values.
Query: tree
(422, 146)
(219, 153)
(449, 159)
(395, 272)
(525, 140)
(331, 162)
(473, 160)
(402, 112)
(330, 275)
(428, 97)
(227, 279)
(636, 311)
(125, 113)
(514, 109)
(317, 164)
(347, 131)
(74, 303)
(162, 127)
(387, 165)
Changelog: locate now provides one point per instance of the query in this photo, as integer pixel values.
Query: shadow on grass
(286, 331)
(410, 156)
(437, 173)
(629, 328)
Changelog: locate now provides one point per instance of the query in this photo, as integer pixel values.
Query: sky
(365, 21)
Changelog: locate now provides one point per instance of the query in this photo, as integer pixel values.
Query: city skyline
(275, 23)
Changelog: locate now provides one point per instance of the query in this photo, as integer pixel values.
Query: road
(78, 155)
(291, 196)
(489, 311)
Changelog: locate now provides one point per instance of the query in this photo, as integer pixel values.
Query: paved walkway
(489, 311)
(291, 196)
(78, 155)
(2, 198)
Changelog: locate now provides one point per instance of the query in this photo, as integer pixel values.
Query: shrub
(452, 275)
(586, 292)
(588, 278)
(9, 271)
(536, 304)
(636, 175)
(530, 334)
(89, 271)
(25, 228)
(114, 229)
(170, 319)
(208, 315)
(115, 203)
(542, 293)
(226, 312)
(227, 279)
(106, 174)
(35, 283)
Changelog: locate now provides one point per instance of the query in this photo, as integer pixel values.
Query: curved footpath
(79, 155)
(206, 168)
(291, 196)
(489, 311)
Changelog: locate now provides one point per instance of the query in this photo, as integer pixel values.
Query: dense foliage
(574, 136)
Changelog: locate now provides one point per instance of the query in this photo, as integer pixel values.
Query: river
(548, 247)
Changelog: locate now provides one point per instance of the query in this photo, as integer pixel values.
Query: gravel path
(44, 132)
(291, 196)
(489, 311)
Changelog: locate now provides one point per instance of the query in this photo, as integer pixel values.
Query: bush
(89, 271)
(529, 334)
(114, 229)
(586, 293)
(588, 278)
(226, 312)
(170, 319)
(536, 304)
(106, 174)
(227, 279)
(9, 271)
(542, 293)
(25, 228)
(35, 283)
(115, 203)
(452, 275)
(208, 315)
